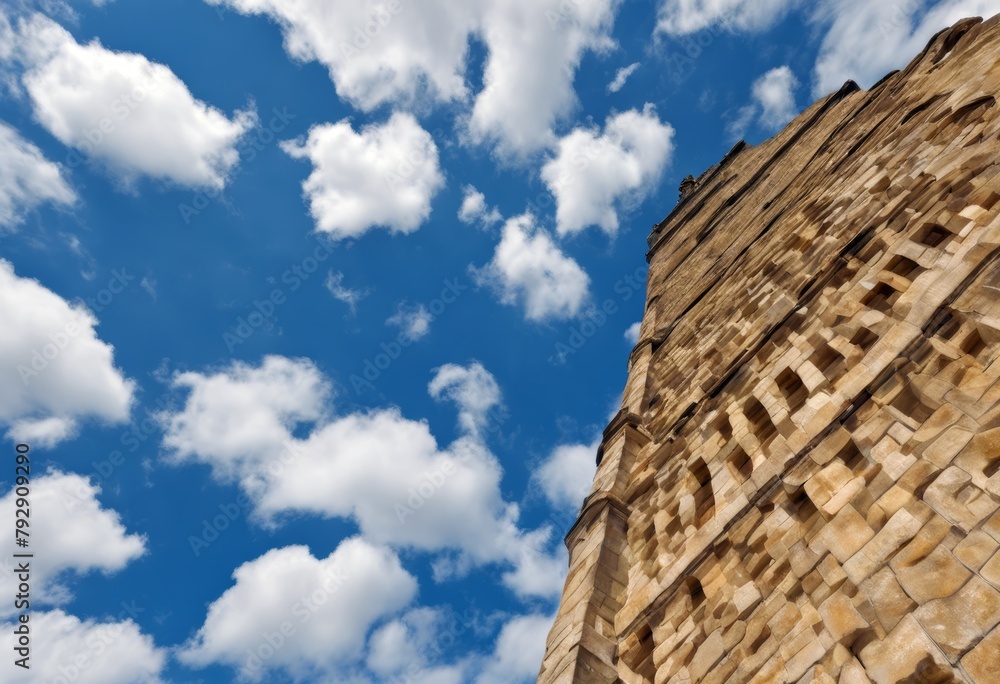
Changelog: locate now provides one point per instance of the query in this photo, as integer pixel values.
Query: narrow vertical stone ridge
(803, 483)
(583, 634)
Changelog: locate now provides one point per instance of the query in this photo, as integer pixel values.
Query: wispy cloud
(342, 293)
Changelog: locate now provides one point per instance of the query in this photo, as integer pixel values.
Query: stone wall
(804, 481)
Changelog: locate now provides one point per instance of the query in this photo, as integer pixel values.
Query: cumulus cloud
(70, 533)
(775, 93)
(537, 572)
(56, 371)
(385, 175)
(534, 50)
(288, 610)
(410, 647)
(567, 475)
(475, 210)
(773, 104)
(593, 172)
(632, 334)
(27, 179)
(414, 322)
(530, 269)
(382, 470)
(242, 411)
(473, 389)
(406, 649)
(44, 432)
(375, 56)
(518, 653)
(681, 17)
(115, 652)
(378, 55)
(124, 111)
(621, 76)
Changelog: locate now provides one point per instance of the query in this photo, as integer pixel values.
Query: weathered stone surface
(991, 571)
(905, 655)
(976, 549)
(803, 483)
(891, 603)
(956, 623)
(938, 575)
(983, 662)
(842, 620)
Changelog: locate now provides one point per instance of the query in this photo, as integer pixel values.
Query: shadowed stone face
(804, 481)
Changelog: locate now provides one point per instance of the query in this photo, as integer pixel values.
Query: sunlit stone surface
(803, 483)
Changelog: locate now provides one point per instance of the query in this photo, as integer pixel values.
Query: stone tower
(804, 479)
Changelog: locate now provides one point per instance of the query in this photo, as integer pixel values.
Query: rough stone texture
(803, 484)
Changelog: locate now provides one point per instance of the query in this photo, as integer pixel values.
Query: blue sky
(313, 312)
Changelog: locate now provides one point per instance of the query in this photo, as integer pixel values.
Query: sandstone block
(842, 619)
(844, 535)
(939, 575)
(904, 654)
(956, 623)
(707, 655)
(976, 549)
(983, 662)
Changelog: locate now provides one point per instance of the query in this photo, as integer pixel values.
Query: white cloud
(528, 267)
(335, 284)
(517, 656)
(414, 322)
(473, 205)
(738, 126)
(567, 475)
(773, 104)
(534, 50)
(7, 37)
(392, 647)
(386, 175)
(376, 56)
(473, 389)
(124, 111)
(44, 432)
(243, 410)
(537, 572)
(378, 468)
(55, 369)
(632, 334)
(27, 179)
(409, 649)
(621, 76)
(681, 17)
(775, 93)
(593, 172)
(475, 210)
(865, 40)
(291, 611)
(388, 474)
(69, 532)
(114, 652)
(445, 501)
(402, 54)
(405, 649)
